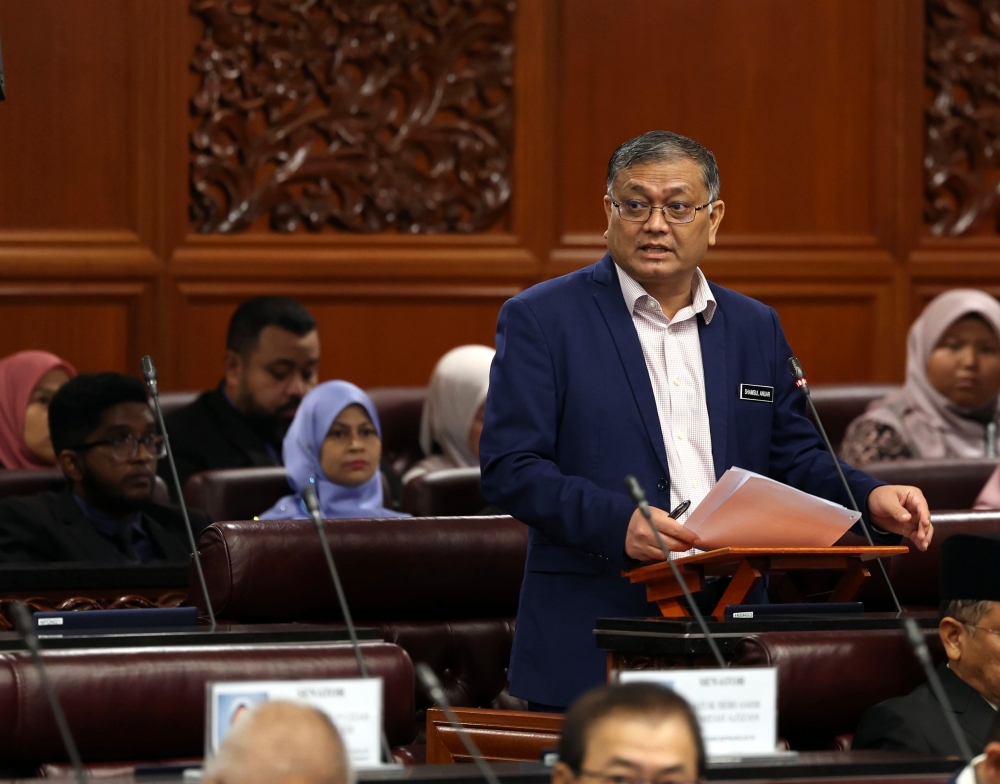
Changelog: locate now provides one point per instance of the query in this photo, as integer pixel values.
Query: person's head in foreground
(623, 733)
(452, 419)
(281, 743)
(106, 441)
(987, 765)
(335, 443)
(970, 611)
(663, 209)
(272, 356)
(28, 380)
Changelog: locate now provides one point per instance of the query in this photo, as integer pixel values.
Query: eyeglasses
(126, 446)
(640, 212)
(621, 778)
(983, 628)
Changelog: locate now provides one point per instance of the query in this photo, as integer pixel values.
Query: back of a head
(628, 700)
(76, 409)
(281, 742)
(254, 315)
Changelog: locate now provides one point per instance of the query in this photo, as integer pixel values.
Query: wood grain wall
(854, 189)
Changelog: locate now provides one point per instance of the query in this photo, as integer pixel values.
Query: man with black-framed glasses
(970, 633)
(633, 733)
(107, 445)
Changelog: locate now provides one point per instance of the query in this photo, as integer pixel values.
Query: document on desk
(745, 509)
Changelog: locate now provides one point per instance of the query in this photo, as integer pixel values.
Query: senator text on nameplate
(354, 705)
(737, 708)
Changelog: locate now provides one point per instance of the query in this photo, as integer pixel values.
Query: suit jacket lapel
(717, 394)
(974, 713)
(237, 431)
(90, 545)
(612, 304)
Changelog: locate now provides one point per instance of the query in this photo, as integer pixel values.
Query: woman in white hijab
(948, 405)
(452, 419)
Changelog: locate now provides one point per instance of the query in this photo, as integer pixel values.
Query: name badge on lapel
(757, 392)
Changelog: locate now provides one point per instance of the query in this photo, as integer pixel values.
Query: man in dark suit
(271, 362)
(970, 632)
(984, 769)
(637, 365)
(107, 445)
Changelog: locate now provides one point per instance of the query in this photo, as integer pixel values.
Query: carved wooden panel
(962, 117)
(355, 114)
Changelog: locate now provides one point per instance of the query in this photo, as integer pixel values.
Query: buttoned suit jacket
(571, 411)
(916, 721)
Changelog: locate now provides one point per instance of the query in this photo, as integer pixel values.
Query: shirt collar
(105, 523)
(702, 299)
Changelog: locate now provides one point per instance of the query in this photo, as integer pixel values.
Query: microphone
(149, 374)
(311, 500)
(800, 381)
(23, 622)
(638, 495)
(433, 688)
(916, 639)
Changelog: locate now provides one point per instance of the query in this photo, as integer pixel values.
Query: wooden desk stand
(747, 565)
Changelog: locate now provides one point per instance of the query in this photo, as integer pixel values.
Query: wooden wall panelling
(502, 736)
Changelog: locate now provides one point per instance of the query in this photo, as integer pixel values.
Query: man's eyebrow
(641, 189)
(624, 763)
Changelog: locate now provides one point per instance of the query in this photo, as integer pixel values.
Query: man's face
(974, 654)
(657, 252)
(109, 482)
(625, 746)
(272, 379)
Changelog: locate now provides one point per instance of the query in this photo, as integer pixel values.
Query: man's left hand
(902, 510)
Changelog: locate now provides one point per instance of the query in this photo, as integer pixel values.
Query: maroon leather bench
(445, 589)
(148, 704)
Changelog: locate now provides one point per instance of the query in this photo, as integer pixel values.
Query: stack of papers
(745, 509)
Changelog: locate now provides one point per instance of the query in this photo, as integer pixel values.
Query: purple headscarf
(301, 451)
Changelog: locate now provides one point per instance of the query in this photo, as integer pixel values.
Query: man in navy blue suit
(637, 365)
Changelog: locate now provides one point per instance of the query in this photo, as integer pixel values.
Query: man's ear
(562, 774)
(714, 219)
(71, 464)
(233, 368)
(953, 635)
(988, 771)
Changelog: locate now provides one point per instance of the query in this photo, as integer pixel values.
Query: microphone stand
(23, 622)
(433, 688)
(311, 500)
(149, 373)
(639, 496)
(801, 383)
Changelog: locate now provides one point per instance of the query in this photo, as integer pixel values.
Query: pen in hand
(682, 507)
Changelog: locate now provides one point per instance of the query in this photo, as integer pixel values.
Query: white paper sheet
(745, 509)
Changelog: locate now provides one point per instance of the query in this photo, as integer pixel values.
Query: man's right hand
(640, 543)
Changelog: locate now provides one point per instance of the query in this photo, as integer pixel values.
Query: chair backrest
(827, 680)
(44, 480)
(840, 404)
(149, 703)
(236, 493)
(946, 484)
(399, 410)
(391, 568)
(171, 401)
(454, 492)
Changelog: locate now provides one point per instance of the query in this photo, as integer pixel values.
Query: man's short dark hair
(76, 409)
(655, 146)
(253, 315)
(648, 700)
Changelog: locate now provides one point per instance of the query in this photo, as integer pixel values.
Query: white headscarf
(458, 388)
(932, 425)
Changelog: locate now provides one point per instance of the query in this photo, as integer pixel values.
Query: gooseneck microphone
(916, 639)
(23, 622)
(149, 373)
(639, 497)
(795, 368)
(311, 500)
(433, 688)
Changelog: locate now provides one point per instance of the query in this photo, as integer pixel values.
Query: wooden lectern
(747, 565)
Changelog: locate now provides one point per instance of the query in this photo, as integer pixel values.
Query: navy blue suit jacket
(571, 411)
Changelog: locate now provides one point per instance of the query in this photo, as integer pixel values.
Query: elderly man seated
(630, 733)
(281, 743)
(970, 631)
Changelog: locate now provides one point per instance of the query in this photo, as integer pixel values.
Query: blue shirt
(129, 536)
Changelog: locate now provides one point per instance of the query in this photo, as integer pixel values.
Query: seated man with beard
(271, 360)
(106, 443)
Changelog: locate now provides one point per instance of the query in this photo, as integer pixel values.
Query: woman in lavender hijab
(335, 440)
